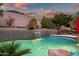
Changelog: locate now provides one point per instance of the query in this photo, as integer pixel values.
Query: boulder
(58, 52)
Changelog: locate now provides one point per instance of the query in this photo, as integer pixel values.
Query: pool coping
(68, 36)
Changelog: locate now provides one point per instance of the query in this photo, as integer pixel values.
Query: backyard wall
(23, 34)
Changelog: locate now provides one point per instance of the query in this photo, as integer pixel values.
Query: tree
(10, 49)
(32, 24)
(46, 23)
(1, 11)
(62, 19)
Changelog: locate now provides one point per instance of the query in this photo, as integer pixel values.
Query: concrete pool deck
(72, 36)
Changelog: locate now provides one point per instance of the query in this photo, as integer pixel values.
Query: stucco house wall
(20, 20)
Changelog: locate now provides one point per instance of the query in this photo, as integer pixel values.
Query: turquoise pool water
(40, 46)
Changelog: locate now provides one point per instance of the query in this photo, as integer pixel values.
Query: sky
(39, 9)
(35, 7)
(44, 5)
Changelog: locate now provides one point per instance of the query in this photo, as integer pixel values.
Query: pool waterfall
(37, 34)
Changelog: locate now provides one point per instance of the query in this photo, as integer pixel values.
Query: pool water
(40, 46)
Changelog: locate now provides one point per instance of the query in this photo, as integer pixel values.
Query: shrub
(32, 24)
(46, 23)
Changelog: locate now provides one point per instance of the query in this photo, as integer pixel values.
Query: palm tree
(10, 49)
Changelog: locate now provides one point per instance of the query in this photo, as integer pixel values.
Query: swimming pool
(40, 46)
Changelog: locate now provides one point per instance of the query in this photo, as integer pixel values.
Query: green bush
(46, 23)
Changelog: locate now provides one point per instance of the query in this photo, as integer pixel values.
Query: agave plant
(10, 49)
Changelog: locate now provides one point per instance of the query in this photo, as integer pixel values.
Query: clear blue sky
(58, 6)
(72, 7)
